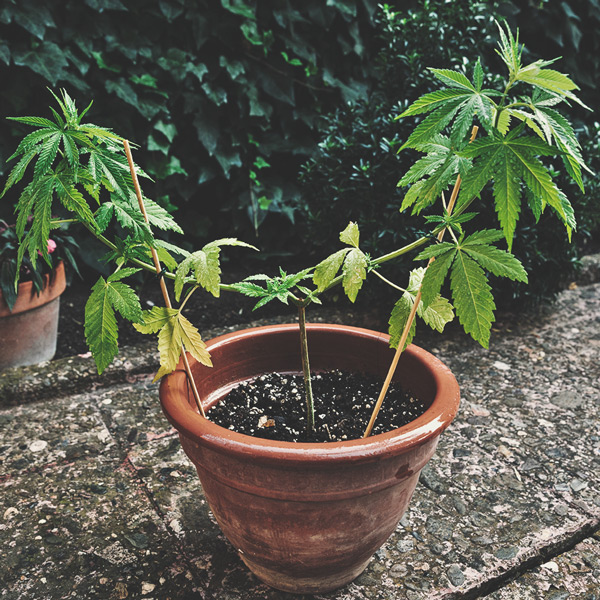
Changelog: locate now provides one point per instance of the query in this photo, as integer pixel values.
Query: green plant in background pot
(29, 311)
(306, 516)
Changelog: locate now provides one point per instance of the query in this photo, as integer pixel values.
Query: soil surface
(273, 407)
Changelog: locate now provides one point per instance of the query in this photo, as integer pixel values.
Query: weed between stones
(273, 407)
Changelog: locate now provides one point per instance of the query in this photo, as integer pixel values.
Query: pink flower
(51, 246)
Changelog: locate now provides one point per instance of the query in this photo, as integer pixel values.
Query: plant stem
(310, 404)
(413, 312)
(390, 283)
(163, 285)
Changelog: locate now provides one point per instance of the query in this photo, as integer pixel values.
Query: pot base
(307, 517)
(305, 585)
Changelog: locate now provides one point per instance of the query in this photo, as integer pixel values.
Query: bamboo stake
(163, 285)
(413, 312)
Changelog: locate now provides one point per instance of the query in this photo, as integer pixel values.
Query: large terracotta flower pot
(28, 332)
(307, 517)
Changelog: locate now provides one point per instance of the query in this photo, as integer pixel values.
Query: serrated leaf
(169, 347)
(478, 75)
(538, 180)
(72, 199)
(19, 169)
(160, 218)
(472, 298)
(413, 194)
(104, 215)
(327, 269)
(122, 273)
(354, 272)
(101, 326)
(435, 275)
(398, 320)
(350, 235)
(464, 120)
(125, 301)
(437, 314)
(47, 154)
(36, 121)
(432, 124)
(433, 100)
(193, 342)
(496, 261)
(507, 194)
(155, 319)
(454, 79)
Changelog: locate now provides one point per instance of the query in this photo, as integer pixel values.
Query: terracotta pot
(307, 517)
(28, 332)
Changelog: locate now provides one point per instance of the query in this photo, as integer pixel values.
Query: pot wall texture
(306, 518)
(28, 333)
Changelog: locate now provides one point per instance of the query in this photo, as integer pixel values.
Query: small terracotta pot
(307, 517)
(28, 332)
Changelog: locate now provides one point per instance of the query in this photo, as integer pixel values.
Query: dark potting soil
(273, 407)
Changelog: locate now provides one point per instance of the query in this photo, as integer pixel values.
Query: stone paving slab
(568, 576)
(98, 500)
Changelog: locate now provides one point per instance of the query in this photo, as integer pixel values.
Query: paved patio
(98, 500)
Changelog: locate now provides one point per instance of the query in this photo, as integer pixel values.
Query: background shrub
(354, 174)
(224, 97)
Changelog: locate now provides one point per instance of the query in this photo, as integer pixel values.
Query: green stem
(386, 280)
(310, 405)
(188, 296)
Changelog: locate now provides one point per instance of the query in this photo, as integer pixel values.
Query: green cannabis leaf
(276, 288)
(175, 333)
(206, 266)
(467, 260)
(353, 262)
(109, 295)
(436, 314)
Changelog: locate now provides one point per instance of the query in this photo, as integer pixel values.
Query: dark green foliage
(223, 97)
(568, 29)
(356, 171)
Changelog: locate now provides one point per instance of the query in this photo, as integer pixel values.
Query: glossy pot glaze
(28, 332)
(307, 517)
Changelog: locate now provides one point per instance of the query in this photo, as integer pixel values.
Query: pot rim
(55, 284)
(186, 419)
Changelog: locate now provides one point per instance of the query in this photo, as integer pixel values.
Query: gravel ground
(99, 501)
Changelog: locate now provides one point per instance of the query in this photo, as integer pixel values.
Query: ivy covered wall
(223, 97)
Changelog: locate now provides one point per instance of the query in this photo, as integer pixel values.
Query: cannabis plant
(88, 173)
